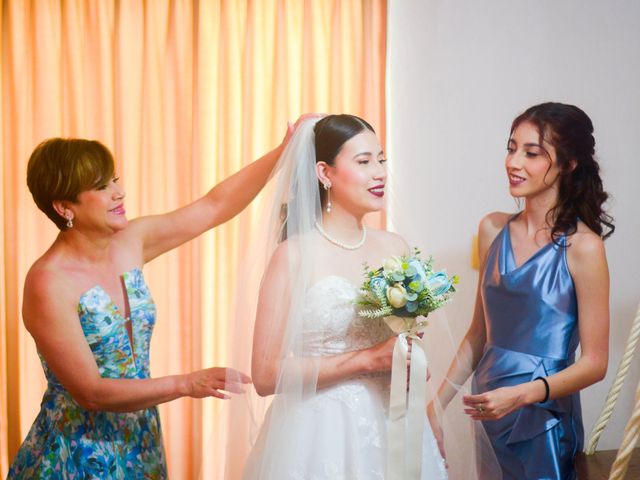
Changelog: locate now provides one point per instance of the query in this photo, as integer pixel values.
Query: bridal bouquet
(404, 288)
(400, 291)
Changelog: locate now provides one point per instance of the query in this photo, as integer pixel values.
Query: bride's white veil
(290, 207)
(296, 209)
(286, 244)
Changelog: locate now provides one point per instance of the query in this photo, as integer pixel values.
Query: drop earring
(328, 190)
(69, 222)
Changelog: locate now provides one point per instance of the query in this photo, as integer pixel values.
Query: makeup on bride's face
(359, 174)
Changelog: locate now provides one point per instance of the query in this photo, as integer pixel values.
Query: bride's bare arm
(270, 333)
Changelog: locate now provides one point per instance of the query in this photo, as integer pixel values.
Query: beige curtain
(184, 93)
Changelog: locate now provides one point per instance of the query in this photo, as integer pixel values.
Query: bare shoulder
(587, 263)
(129, 241)
(43, 277)
(488, 229)
(388, 241)
(492, 223)
(286, 253)
(136, 227)
(281, 252)
(46, 289)
(585, 246)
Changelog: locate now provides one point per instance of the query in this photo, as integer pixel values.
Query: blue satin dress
(531, 317)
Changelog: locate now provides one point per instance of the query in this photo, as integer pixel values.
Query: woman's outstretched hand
(214, 382)
(291, 127)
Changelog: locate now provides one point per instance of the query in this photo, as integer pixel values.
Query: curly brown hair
(581, 195)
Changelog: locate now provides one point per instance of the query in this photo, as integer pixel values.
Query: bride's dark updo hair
(331, 133)
(580, 195)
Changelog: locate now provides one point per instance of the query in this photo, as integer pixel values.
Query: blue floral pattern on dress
(69, 442)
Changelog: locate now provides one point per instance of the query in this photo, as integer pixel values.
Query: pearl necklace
(339, 243)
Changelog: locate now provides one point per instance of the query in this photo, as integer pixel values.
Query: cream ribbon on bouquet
(406, 406)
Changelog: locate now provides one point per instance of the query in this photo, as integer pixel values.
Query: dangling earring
(328, 190)
(69, 222)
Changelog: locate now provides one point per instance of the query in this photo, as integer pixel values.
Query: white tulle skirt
(340, 433)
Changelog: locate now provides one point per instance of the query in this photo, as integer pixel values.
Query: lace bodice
(331, 322)
(339, 432)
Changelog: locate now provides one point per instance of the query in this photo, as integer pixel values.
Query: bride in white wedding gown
(327, 369)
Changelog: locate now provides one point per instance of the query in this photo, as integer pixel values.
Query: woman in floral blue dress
(90, 313)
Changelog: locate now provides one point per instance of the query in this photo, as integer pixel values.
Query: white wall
(459, 72)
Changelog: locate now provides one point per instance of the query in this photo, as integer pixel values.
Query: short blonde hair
(62, 168)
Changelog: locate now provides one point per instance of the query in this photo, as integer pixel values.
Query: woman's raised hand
(291, 127)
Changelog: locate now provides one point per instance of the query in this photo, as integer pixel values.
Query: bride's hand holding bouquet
(403, 292)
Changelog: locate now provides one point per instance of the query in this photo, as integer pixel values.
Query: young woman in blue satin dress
(90, 313)
(543, 290)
